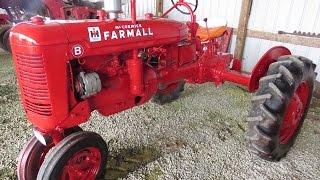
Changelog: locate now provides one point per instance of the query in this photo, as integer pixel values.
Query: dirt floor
(199, 136)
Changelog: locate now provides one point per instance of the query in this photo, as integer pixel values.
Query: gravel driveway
(199, 136)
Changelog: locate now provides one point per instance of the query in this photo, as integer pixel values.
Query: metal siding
(266, 15)
(143, 7)
(218, 11)
(284, 15)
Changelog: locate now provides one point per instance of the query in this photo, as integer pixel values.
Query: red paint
(135, 66)
(133, 11)
(56, 9)
(77, 51)
(223, 42)
(19, 10)
(46, 97)
(43, 52)
(59, 10)
(31, 158)
(263, 64)
(295, 111)
(83, 165)
(132, 67)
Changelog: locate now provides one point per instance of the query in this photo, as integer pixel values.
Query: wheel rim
(294, 112)
(83, 165)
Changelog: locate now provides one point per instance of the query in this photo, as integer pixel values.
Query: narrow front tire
(81, 155)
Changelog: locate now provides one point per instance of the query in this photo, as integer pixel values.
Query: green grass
(6, 64)
(9, 101)
(128, 160)
(154, 174)
(8, 87)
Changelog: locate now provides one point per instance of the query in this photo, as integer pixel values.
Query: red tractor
(23, 10)
(111, 64)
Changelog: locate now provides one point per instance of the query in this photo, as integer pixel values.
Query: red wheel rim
(83, 165)
(294, 112)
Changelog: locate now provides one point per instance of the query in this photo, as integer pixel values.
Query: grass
(8, 87)
(128, 160)
(154, 174)
(9, 103)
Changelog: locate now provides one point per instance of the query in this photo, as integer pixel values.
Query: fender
(263, 64)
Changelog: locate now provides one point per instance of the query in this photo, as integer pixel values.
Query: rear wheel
(280, 107)
(169, 94)
(80, 156)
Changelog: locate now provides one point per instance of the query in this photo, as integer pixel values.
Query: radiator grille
(34, 84)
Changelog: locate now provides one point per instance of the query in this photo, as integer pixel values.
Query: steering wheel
(194, 6)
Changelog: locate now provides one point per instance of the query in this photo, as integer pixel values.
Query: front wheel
(33, 154)
(280, 107)
(81, 155)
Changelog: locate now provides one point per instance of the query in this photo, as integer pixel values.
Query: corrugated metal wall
(215, 10)
(143, 6)
(266, 15)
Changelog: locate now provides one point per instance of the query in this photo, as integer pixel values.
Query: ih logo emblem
(94, 34)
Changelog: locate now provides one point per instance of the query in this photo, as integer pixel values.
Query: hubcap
(294, 113)
(83, 165)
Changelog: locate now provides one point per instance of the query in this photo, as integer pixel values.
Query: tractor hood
(93, 34)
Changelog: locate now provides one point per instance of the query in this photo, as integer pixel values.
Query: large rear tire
(280, 107)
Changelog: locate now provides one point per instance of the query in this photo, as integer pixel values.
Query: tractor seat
(211, 33)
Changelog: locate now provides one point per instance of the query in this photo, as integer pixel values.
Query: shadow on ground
(129, 160)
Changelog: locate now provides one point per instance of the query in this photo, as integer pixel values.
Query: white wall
(214, 10)
(143, 7)
(266, 15)
(285, 15)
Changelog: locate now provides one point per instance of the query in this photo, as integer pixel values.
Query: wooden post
(159, 6)
(243, 28)
(284, 38)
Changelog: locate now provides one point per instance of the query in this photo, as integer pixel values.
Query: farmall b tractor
(67, 69)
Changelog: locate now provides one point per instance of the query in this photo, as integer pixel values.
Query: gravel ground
(199, 136)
